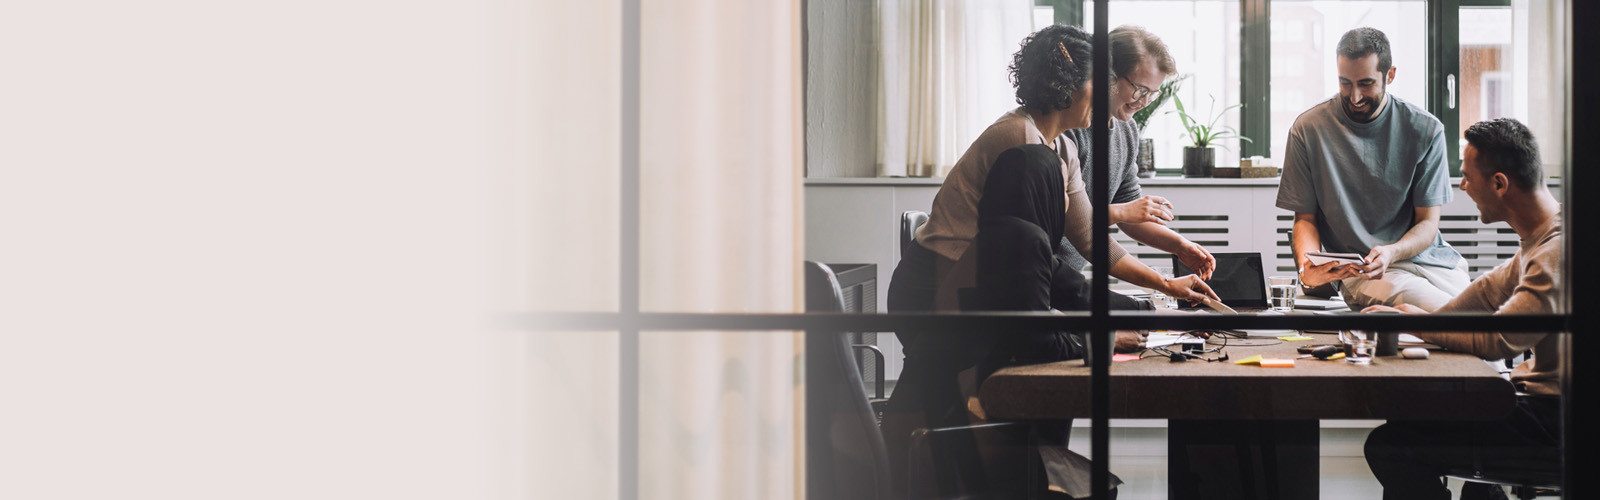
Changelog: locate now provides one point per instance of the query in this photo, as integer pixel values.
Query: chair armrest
(877, 354)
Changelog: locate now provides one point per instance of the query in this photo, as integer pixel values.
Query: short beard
(1372, 107)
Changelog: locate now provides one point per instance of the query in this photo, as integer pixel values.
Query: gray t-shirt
(1124, 143)
(1364, 180)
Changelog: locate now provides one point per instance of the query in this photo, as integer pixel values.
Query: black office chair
(845, 454)
(945, 463)
(910, 221)
(1526, 483)
(1527, 480)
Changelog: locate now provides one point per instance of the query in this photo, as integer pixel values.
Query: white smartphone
(1320, 258)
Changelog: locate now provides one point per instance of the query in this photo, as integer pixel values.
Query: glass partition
(1201, 405)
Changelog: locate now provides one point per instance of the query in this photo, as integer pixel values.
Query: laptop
(1240, 281)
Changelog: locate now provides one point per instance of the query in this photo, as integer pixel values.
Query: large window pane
(1510, 69)
(1304, 37)
(1203, 38)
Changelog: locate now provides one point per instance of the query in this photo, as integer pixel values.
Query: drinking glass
(1359, 345)
(1281, 292)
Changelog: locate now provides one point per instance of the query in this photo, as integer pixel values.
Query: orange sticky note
(1277, 363)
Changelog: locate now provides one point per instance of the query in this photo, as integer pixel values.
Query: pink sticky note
(1124, 357)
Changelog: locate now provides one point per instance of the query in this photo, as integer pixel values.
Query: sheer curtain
(720, 169)
(943, 78)
(721, 163)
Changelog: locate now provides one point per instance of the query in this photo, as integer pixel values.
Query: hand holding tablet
(1320, 258)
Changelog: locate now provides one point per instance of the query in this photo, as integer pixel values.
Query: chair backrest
(910, 221)
(845, 454)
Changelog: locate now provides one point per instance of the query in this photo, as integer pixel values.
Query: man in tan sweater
(1502, 173)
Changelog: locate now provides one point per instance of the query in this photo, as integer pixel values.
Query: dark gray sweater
(1125, 188)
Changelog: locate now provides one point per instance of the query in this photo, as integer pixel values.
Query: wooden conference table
(1243, 431)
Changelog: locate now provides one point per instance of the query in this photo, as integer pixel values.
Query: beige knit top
(953, 222)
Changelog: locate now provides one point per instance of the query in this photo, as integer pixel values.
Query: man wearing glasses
(1139, 64)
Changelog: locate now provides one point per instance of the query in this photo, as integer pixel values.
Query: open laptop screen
(1240, 279)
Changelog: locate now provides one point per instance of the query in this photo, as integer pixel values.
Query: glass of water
(1157, 297)
(1359, 345)
(1281, 292)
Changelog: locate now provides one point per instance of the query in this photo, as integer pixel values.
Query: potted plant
(1146, 159)
(1199, 158)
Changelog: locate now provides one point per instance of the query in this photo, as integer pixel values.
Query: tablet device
(1320, 258)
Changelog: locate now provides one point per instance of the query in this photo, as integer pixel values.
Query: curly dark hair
(1045, 77)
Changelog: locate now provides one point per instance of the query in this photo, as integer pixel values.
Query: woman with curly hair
(992, 242)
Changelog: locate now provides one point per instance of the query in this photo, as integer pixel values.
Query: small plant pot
(1147, 158)
(1198, 162)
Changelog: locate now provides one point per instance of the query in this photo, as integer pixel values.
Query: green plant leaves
(1209, 133)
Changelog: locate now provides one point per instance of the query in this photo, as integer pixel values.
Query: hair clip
(1064, 52)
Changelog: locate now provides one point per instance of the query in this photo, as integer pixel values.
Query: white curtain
(720, 169)
(943, 77)
(561, 207)
(720, 174)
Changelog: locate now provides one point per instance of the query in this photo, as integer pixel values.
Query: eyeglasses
(1140, 92)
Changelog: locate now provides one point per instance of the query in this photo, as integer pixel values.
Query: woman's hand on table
(1128, 341)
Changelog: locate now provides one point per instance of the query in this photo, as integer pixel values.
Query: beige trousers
(1428, 287)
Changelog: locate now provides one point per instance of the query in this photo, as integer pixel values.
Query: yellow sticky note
(1337, 355)
(1295, 338)
(1253, 360)
(1277, 363)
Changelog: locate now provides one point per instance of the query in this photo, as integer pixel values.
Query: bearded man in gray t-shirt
(1365, 173)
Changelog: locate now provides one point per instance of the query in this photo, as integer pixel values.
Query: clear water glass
(1281, 291)
(1359, 346)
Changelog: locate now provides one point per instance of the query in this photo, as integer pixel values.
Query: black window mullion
(1444, 74)
(1255, 77)
(1580, 41)
(1100, 338)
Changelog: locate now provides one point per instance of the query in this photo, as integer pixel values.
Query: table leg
(1244, 459)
